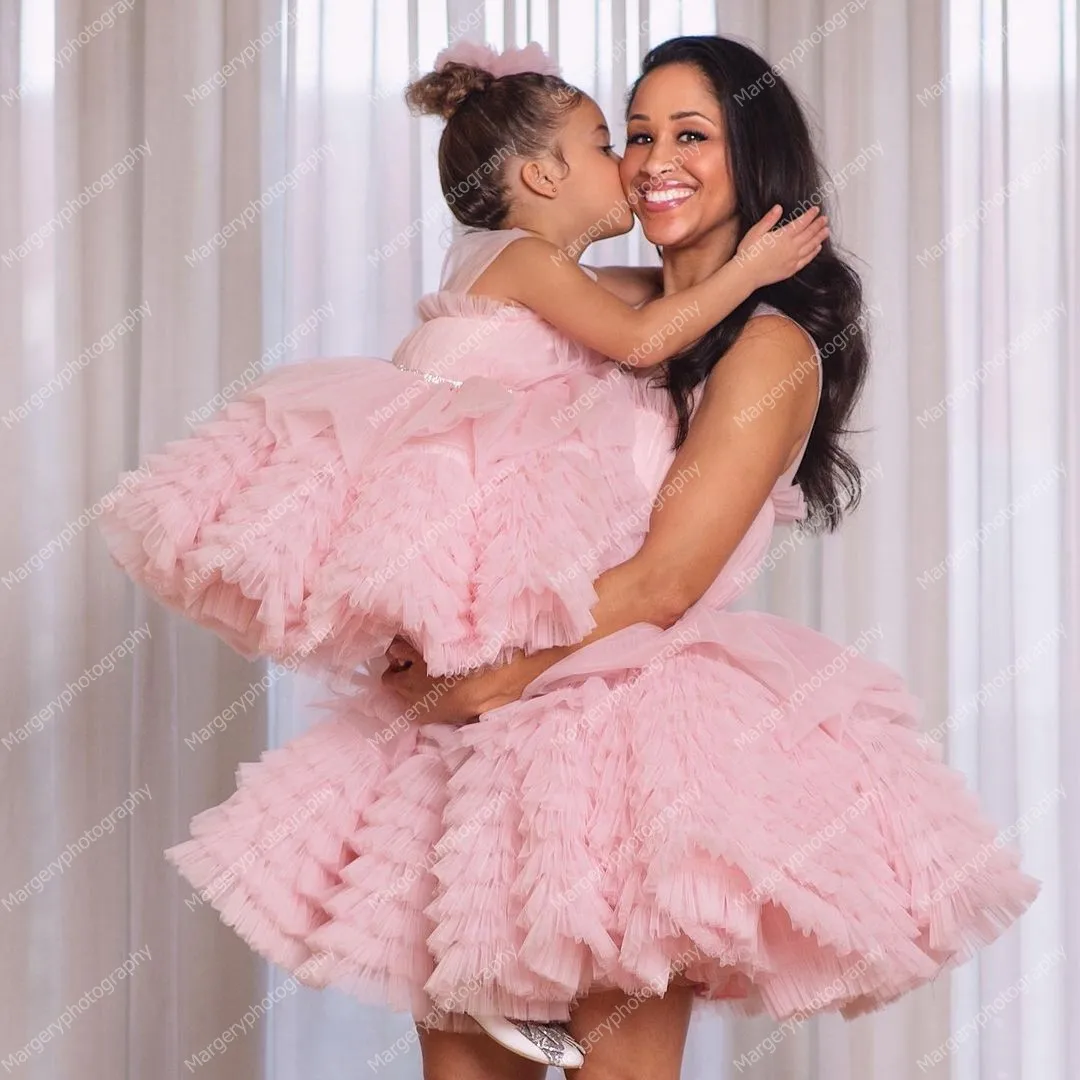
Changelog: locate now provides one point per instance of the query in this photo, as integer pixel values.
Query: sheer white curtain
(951, 132)
(1011, 195)
(108, 178)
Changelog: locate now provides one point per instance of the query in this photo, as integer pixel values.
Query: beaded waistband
(429, 376)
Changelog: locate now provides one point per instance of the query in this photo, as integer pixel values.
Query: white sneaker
(549, 1044)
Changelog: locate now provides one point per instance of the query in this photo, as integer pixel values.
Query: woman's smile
(664, 196)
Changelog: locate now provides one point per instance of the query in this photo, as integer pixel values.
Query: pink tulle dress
(736, 799)
(442, 496)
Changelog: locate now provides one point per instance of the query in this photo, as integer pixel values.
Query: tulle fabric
(654, 808)
(736, 799)
(340, 503)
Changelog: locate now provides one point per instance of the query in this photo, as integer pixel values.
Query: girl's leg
(450, 1055)
(632, 1039)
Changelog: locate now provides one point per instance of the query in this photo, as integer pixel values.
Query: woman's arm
(534, 272)
(717, 483)
(633, 285)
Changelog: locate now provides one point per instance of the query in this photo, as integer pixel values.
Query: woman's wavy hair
(773, 161)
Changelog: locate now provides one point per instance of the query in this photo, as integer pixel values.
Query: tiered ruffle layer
(700, 800)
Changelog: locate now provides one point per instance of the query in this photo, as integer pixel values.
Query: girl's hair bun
(496, 106)
(439, 93)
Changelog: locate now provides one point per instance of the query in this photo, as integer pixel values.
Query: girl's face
(676, 170)
(590, 180)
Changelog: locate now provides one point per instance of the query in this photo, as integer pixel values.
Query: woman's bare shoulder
(763, 389)
(772, 351)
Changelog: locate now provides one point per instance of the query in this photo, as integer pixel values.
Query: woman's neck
(692, 264)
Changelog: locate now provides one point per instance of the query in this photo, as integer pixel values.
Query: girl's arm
(727, 468)
(633, 285)
(534, 272)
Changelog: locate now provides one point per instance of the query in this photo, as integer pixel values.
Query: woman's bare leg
(451, 1055)
(632, 1039)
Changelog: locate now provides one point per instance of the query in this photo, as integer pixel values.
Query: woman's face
(675, 172)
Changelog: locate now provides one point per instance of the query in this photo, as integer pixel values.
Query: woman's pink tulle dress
(736, 798)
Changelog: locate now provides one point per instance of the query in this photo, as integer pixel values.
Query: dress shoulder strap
(472, 253)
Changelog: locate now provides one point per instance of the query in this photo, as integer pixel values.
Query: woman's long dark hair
(773, 161)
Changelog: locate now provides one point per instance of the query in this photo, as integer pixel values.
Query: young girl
(338, 503)
(464, 496)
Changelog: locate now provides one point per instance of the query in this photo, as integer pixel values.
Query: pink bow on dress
(789, 501)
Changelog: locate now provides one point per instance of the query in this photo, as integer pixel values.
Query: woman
(862, 882)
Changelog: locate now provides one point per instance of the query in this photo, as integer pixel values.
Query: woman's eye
(640, 138)
(609, 149)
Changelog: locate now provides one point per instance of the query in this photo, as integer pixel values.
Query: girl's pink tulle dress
(737, 798)
(445, 495)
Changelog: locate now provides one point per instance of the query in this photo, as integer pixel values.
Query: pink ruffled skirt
(700, 800)
(339, 503)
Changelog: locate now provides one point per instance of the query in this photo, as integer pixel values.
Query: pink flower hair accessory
(511, 62)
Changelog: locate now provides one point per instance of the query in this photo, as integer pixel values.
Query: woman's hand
(447, 700)
(461, 699)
